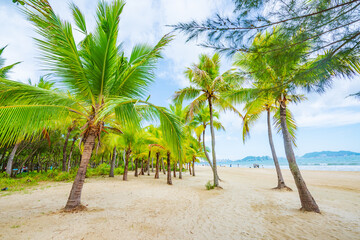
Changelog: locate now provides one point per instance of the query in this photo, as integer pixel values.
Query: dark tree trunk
(127, 156)
(70, 154)
(64, 149)
(189, 169)
(74, 200)
(136, 167)
(193, 166)
(112, 166)
(281, 182)
(142, 167)
(174, 170)
(157, 166)
(168, 169)
(307, 201)
(148, 164)
(9, 165)
(216, 180)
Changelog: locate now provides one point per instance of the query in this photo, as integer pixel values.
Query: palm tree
(254, 108)
(102, 82)
(280, 75)
(208, 85)
(200, 122)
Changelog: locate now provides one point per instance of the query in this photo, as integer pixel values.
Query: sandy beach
(145, 208)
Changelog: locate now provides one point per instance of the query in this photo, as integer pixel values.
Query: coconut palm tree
(281, 75)
(208, 85)
(254, 108)
(102, 82)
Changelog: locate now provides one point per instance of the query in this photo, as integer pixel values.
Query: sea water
(344, 163)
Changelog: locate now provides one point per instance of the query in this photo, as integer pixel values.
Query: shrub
(119, 171)
(209, 186)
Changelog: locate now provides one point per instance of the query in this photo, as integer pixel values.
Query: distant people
(256, 165)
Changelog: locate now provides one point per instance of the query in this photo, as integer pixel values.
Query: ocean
(344, 163)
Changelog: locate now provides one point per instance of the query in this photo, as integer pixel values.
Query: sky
(330, 121)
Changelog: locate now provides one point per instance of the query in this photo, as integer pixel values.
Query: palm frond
(290, 122)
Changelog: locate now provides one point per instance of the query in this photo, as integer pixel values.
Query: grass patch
(209, 186)
(25, 180)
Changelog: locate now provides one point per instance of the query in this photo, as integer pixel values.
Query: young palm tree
(208, 85)
(102, 83)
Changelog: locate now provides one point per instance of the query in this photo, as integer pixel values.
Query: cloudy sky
(329, 121)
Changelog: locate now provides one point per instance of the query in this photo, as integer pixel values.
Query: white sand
(145, 208)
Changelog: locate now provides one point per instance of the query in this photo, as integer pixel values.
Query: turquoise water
(346, 163)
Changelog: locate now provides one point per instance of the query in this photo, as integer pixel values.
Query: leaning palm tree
(102, 82)
(208, 85)
(282, 75)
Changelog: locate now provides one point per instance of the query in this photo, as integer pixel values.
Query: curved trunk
(168, 169)
(64, 149)
(281, 182)
(127, 156)
(157, 166)
(11, 159)
(74, 200)
(216, 179)
(112, 166)
(307, 201)
(148, 164)
(193, 166)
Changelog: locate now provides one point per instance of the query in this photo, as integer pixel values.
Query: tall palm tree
(199, 124)
(254, 108)
(102, 83)
(282, 74)
(208, 85)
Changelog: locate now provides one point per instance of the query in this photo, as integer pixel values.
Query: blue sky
(330, 121)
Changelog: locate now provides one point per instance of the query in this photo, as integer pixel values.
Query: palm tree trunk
(157, 166)
(127, 156)
(168, 169)
(148, 164)
(216, 179)
(190, 169)
(281, 182)
(64, 149)
(136, 167)
(11, 159)
(112, 166)
(74, 200)
(193, 167)
(307, 201)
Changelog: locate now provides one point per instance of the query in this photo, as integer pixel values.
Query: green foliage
(209, 186)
